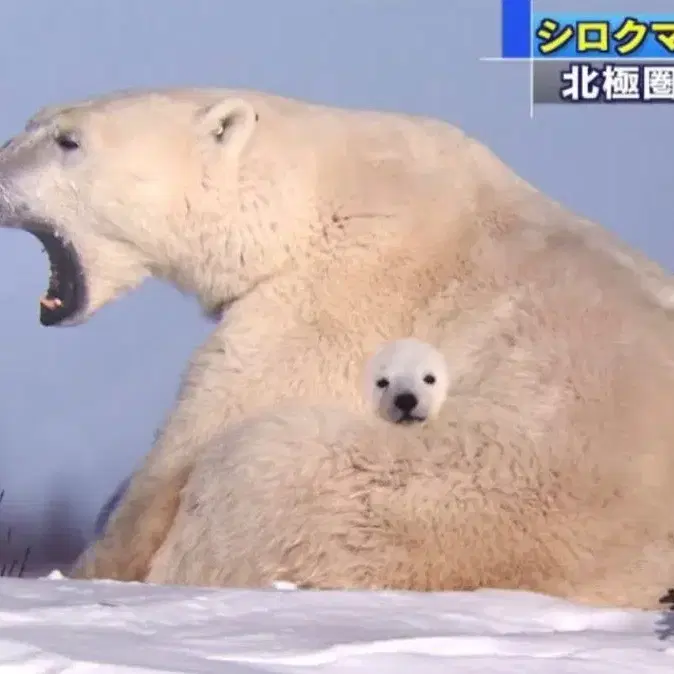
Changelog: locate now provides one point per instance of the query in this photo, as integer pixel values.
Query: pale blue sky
(80, 406)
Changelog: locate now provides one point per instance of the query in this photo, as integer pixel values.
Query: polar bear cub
(406, 381)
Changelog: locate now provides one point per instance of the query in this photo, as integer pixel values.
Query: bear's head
(174, 186)
(406, 381)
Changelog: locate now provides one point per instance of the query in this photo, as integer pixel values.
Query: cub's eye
(67, 141)
(429, 379)
(382, 383)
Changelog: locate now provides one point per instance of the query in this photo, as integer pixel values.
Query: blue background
(79, 407)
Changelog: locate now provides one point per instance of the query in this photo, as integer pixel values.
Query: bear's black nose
(405, 402)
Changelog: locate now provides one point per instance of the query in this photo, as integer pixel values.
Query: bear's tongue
(50, 303)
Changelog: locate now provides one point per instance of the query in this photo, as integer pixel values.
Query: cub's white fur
(406, 381)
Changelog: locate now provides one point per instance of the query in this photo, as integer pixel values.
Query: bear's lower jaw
(65, 296)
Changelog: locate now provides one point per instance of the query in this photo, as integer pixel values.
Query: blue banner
(516, 36)
(580, 35)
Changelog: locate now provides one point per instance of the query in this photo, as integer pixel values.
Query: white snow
(56, 625)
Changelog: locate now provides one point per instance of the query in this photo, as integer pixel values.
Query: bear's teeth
(50, 303)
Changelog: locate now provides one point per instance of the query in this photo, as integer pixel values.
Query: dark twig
(7, 570)
(24, 561)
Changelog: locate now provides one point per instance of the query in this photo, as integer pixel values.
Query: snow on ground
(58, 626)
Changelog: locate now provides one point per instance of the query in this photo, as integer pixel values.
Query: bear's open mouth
(66, 290)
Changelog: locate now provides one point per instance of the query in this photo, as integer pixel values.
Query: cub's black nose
(406, 402)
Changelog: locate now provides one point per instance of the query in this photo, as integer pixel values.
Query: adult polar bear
(324, 232)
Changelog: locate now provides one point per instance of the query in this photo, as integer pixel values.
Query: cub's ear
(229, 124)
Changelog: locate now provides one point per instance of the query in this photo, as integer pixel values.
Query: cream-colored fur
(324, 232)
(327, 498)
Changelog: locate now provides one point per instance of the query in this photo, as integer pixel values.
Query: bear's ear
(229, 123)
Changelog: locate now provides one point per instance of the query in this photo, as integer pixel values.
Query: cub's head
(406, 381)
(173, 185)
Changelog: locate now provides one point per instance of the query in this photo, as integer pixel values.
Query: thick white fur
(406, 367)
(325, 497)
(324, 232)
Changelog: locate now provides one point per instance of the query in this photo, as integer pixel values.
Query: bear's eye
(382, 383)
(429, 379)
(66, 140)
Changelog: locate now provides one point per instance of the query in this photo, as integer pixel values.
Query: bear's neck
(383, 260)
